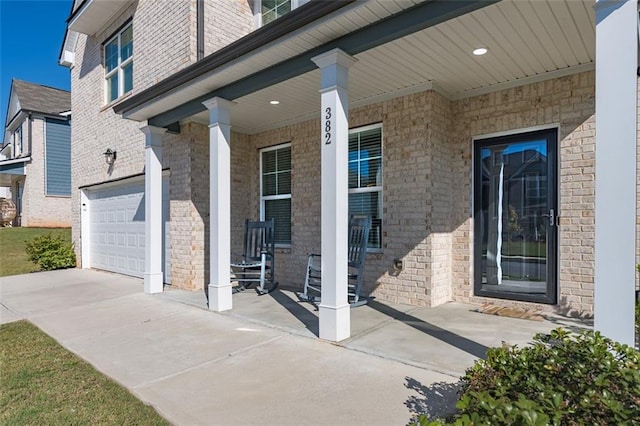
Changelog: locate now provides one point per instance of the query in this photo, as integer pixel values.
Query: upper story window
(365, 178)
(273, 9)
(118, 64)
(269, 10)
(18, 142)
(275, 190)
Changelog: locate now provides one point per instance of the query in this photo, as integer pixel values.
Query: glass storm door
(515, 217)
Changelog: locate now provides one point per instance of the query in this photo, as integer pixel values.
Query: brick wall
(440, 193)
(226, 14)
(177, 154)
(39, 209)
(163, 39)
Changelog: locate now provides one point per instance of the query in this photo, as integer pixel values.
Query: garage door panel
(117, 229)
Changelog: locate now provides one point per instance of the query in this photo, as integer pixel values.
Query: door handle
(551, 216)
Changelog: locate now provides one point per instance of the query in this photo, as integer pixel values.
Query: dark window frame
(552, 251)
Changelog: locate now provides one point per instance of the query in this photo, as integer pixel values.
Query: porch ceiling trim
(409, 21)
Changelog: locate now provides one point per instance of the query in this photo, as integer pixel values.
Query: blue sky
(31, 34)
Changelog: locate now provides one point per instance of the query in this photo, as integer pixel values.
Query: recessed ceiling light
(480, 51)
(274, 102)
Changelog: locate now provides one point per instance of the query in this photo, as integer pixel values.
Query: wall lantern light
(398, 265)
(109, 156)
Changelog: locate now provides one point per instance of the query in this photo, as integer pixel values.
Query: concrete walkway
(261, 363)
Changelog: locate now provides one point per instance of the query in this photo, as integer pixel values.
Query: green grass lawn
(41, 383)
(524, 248)
(13, 258)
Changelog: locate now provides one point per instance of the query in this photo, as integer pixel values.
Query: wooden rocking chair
(257, 263)
(359, 228)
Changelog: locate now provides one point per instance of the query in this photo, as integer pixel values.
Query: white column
(334, 310)
(153, 279)
(615, 199)
(219, 203)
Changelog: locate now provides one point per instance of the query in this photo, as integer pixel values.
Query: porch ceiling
(526, 41)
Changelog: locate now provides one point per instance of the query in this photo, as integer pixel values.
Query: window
(273, 9)
(17, 142)
(535, 187)
(269, 10)
(275, 190)
(118, 64)
(365, 178)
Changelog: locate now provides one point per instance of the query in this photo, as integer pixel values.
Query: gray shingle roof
(44, 99)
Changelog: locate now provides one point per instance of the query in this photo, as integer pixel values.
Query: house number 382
(327, 126)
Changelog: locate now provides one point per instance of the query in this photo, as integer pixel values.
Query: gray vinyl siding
(58, 157)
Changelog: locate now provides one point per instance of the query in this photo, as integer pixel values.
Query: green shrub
(49, 252)
(562, 379)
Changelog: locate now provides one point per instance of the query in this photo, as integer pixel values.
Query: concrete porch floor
(447, 338)
(261, 362)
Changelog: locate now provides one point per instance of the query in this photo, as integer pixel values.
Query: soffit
(527, 41)
(92, 15)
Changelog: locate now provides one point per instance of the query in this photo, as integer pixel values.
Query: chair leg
(262, 272)
(241, 284)
(357, 301)
(304, 296)
(263, 289)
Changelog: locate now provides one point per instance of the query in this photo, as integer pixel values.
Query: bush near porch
(51, 252)
(14, 259)
(561, 379)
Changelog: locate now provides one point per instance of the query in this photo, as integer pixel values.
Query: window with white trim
(118, 64)
(18, 142)
(365, 178)
(275, 190)
(266, 11)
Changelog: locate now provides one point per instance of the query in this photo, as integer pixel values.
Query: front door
(515, 216)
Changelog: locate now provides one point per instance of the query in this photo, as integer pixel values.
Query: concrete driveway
(258, 364)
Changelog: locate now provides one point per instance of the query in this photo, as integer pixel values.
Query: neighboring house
(35, 160)
(465, 129)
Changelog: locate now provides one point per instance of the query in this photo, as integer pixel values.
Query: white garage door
(117, 228)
